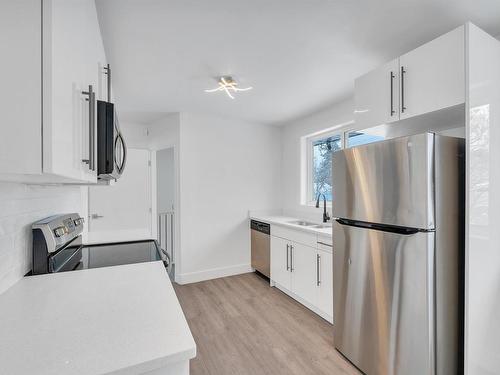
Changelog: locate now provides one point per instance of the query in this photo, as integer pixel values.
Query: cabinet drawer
(293, 235)
(325, 243)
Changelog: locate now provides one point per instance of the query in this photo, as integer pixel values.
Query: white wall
(226, 168)
(136, 135)
(164, 132)
(20, 206)
(341, 113)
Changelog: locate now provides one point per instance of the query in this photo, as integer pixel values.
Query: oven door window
(67, 258)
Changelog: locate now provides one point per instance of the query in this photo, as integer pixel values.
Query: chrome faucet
(326, 217)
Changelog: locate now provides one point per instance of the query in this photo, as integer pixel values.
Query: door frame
(154, 203)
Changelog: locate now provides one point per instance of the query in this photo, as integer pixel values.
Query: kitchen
(174, 97)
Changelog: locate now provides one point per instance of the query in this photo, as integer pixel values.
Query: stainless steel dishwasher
(261, 247)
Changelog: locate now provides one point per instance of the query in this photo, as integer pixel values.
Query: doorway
(166, 198)
(122, 211)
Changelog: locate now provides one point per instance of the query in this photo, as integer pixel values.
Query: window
(317, 154)
(321, 149)
(357, 138)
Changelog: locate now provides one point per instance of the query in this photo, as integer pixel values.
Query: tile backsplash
(20, 206)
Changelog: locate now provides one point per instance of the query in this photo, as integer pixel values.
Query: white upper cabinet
(433, 75)
(427, 79)
(51, 137)
(21, 93)
(377, 96)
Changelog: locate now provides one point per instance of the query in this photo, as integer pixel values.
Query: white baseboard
(311, 307)
(214, 273)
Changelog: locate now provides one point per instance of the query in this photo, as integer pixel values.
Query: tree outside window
(322, 150)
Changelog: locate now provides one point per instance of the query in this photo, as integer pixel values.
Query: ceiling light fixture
(229, 85)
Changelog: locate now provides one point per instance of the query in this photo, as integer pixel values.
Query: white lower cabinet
(325, 281)
(303, 272)
(280, 258)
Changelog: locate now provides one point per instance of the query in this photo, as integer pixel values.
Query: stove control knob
(60, 231)
(79, 221)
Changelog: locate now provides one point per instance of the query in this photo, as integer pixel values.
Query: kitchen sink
(322, 226)
(302, 223)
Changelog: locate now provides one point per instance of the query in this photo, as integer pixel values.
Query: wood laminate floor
(243, 327)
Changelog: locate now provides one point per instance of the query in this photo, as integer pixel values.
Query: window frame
(341, 130)
(338, 131)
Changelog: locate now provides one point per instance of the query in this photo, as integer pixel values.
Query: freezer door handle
(382, 227)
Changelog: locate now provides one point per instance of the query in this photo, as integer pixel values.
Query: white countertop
(121, 320)
(285, 221)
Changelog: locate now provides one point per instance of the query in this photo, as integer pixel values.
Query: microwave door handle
(115, 153)
(124, 158)
(121, 166)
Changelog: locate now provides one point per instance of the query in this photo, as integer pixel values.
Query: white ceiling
(300, 56)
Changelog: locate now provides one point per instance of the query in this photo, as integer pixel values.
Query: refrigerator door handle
(382, 227)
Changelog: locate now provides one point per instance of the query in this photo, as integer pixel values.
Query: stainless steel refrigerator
(398, 244)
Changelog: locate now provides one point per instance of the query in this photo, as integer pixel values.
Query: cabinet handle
(287, 266)
(324, 243)
(87, 161)
(94, 131)
(403, 72)
(318, 276)
(291, 258)
(107, 71)
(91, 99)
(392, 94)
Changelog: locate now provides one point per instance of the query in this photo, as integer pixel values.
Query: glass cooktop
(115, 254)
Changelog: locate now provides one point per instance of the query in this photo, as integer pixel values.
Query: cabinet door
(377, 96)
(303, 270)
(324, 276)
(432, 77)
(70, 65)
(20, 96)
(280, 262)
(95, 60)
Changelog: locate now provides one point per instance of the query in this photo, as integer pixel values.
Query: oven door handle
(69, 264)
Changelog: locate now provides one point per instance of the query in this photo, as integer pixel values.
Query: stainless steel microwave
(111, 147)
